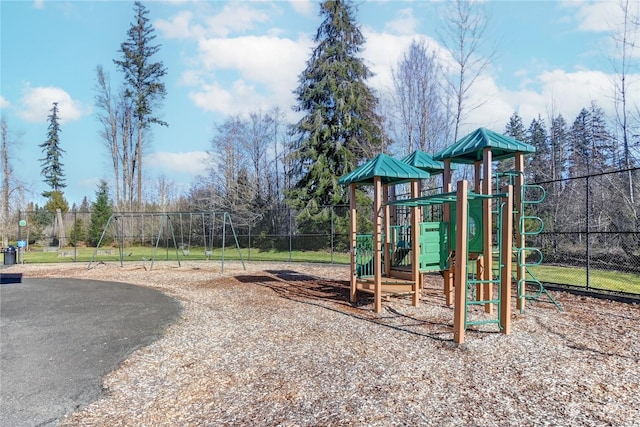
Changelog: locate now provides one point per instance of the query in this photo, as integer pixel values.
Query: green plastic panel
(475, 225)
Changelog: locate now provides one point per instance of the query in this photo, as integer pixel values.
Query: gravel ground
(279, 344)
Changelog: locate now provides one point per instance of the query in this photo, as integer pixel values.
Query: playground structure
(473, 242)
(191, 229)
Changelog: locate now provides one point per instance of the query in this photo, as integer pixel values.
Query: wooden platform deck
(390, 286)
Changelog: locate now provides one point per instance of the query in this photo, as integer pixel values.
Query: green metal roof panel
(424, 161)
(469, 148)
(390, 170)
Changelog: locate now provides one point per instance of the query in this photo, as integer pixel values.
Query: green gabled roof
(469, 149)
(424, 161)
(390, 170)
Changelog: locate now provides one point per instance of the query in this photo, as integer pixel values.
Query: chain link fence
(591, 236)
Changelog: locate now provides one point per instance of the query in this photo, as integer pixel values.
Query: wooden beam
(353, 224)
(480, 271)
(487, 249)
(518, 192)
(387, 229)
(460, 282)
(377, 242)
(415, 243)
(448, 274)
(505, 285)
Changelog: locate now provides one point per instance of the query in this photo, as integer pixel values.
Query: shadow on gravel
(334, 296)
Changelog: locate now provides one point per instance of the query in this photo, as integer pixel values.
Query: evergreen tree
(56, 201)
(78, 232)
(100, 214)
(340, 126)
(603, 153)
(515, 129)
(579, 163)
(559, 140)
(592, 147)
(142, 82)
(539, 167)
(52, 167)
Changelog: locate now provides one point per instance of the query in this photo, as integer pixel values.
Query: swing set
(133, 232)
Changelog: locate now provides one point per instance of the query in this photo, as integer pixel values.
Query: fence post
(249, 247)
(588, 221)
(290, 237)
(332, 233)
(75, 235)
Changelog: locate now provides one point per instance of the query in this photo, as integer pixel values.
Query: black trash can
(10, 255)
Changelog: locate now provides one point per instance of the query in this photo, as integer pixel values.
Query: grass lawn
(140, 253)
(614, 281)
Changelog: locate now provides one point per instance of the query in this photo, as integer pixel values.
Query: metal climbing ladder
(528, 286)
(473, 274)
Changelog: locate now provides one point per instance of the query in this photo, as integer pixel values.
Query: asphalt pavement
(59, 337)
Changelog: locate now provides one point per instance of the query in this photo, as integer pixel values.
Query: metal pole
(249, 247)
(588, 219)
(19, 218)
(75, 231)
(290, 237)
(332, 233)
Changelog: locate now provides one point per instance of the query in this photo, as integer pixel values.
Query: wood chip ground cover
(280, 345)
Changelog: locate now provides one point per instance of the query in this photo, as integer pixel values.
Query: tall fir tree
(52, 167)
(539, 168)
(340, 126)
(143, 84)
(603, 153)
(558, 140)
(100, 215)
(516, 130)
(579, 162)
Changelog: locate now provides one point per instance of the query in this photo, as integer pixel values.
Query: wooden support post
(415, 246)
(460, 280)
(377, 242)
(448, 274)
(505, 256)
(487, 247)
(480, 271)
(518, 193)
(353, 223)
(387, 231)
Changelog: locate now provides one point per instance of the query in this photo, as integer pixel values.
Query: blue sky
(241, 56)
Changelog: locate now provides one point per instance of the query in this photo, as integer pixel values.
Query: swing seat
(207, 253)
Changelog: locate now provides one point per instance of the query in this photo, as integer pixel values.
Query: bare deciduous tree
(418, 96)
(626, 37)
(12, 188)
(464, 36)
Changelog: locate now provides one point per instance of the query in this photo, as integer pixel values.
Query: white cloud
(178, 28)
(550, 93)
(38, 4)
(193, 162)
(304, 7)
(36, 103)
(241, 74)
(598, 16)
(212, 97)
(264, 59)
(404, 23)
(235, 17)
(4, 103)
